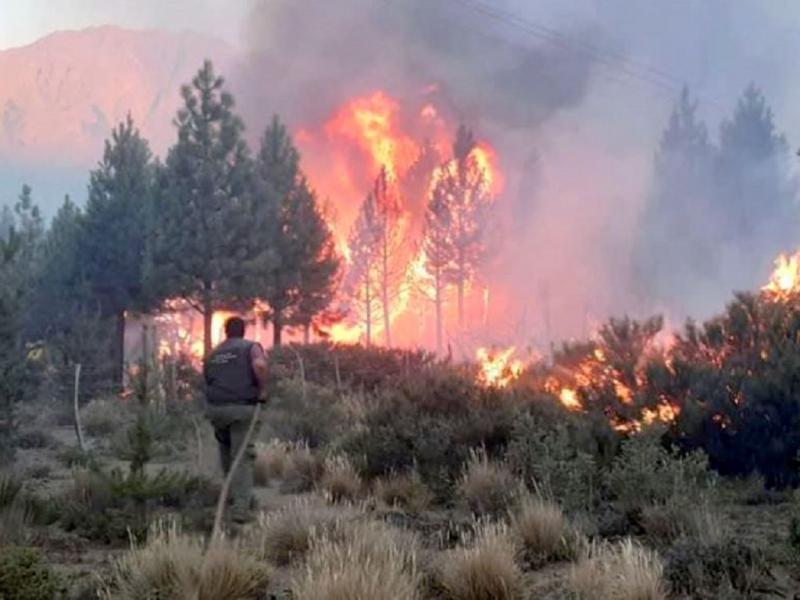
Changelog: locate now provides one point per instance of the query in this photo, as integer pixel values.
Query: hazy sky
(24, 21)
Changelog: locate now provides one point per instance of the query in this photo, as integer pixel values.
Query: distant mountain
(61, 95)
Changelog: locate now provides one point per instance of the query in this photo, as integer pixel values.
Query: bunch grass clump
(303, 469)
(621, 571)
(404, 490)
(486, 568)
(270, 463)
(543, 530)
(340, 481)
(284, 536)
(176, 565)
(368, 561)
(487, 486)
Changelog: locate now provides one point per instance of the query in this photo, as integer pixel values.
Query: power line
(614, 61)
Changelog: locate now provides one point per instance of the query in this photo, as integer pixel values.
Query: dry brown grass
(367, 561)
(284, 536)
(302, 470)
(340, 481)
(175, 565)
(271, 461)
(542, 529)
(681, 518)
(621, 571)
(487, 486)
(404, 490)
(485, 569)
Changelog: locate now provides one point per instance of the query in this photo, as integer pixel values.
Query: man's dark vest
(229, 374)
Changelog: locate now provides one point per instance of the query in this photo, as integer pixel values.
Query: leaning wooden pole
(216, 531)
(75, 395)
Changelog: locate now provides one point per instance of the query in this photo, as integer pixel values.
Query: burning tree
(463, 190)
(297, 271)
(455, 221)
(203, 234)
(363, 275)
(389, 245)
(439, 254)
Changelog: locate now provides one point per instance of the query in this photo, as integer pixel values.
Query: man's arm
(259, 361)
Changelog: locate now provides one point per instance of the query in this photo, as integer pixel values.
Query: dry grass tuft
(621, 571)
(302, 470)
(542, 529)
(404, 490)
(284, 536)
(485, 569)
(174, 565)
(681, 518)
(487, 486)
(271, 461)
(367, 561)
(340, 480)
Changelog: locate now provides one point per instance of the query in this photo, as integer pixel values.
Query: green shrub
(645, 472)
(549, 456)
(101, 418)
(305, 413)
(24, 575)
(34, 439)
(726, 569)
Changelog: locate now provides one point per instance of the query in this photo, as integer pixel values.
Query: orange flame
(785, 278)
(497, 368)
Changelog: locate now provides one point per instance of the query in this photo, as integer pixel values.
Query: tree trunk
(208, 316)
(438, 301)
(385, 296)
(119, 351)
(460, 302)
(368, 307)
(277, 328)
(307, 334)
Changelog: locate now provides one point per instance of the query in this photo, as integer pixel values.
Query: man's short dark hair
(234, 327)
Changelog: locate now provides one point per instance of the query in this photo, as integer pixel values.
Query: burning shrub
(621, 571)
(367, 560)
(735, 378)
(487, 486)
(486, 567)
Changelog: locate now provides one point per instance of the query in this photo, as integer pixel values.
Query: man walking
(235, 374)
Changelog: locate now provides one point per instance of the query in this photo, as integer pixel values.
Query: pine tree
(755, 195)
(320, 267)
(439, 253)
(114, 229)
(203, 230)
(464, 193)
(677, 250)
(363, 281)
(389, 245)
(296, 272)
